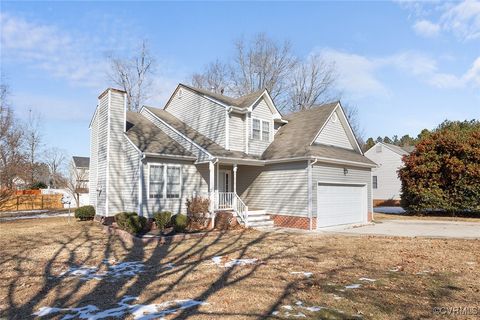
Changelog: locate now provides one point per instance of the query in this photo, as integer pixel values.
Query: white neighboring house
(301, 171)
(80, 176)
(385, 182)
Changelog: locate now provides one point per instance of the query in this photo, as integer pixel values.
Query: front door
(225, 181)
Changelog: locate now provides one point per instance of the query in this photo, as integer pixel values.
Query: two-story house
(386, 185)
(305, 170)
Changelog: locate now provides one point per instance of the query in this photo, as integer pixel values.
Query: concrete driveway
(417, 228)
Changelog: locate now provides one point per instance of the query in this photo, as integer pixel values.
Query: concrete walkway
(416, 228)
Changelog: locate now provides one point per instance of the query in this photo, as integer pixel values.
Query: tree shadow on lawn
(81, 248)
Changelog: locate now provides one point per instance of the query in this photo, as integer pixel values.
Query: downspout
(310, 192)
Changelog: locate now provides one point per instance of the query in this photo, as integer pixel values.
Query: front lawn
(76, 269)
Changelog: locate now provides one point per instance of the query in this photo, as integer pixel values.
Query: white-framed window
(256, 131)
(266, 130)
(173, 182)
(375, 182)
(156, 181)
(164, 181)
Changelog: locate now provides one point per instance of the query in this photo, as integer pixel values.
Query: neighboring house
(385, 182)
(304, 171)
(80, 176)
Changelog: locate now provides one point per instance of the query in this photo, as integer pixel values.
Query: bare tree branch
(55, 159)
(312, 83)
(33, 140)
(215, 78)
(133, 75)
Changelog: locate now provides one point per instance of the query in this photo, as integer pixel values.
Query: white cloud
(359, 76)
(460, 18)
(463, 19)
(356, 73)
(426, 28)
(52, 50)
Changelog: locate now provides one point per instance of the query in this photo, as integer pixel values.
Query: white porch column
(235, 178)
(211, 185)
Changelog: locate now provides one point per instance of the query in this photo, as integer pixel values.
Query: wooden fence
(32, 202)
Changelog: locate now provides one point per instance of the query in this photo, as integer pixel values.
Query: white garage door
(340, 204)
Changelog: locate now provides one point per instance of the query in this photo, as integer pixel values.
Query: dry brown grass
(34, 252)
(387, 216)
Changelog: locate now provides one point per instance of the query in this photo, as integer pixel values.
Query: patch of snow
(287, 307)
(169, 265)
(389, 210)
(219, 261)
(305, 274)
(353, 286)
(299, 303)
(122, 269)
(138, 311)
(337, 297)
(367, 279)
(396, 269)
(423, 272)
(299, 315)
(297, 311)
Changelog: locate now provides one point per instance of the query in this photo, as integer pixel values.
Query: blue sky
(405, 65)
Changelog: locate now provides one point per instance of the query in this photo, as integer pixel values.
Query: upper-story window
(156, 181)
(256, 129)
(265, 130)
(260, 129)
(375, 182)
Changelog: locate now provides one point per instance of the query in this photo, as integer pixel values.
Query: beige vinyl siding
(260, 111)
(277, 188)
(389, 185)
(201, 155)
(116, 181)
(92, 175)
(194, 180)
(200, 113)
(334, 134)
(131, 176)
(237, 132)
(102, 124)
(331, 173)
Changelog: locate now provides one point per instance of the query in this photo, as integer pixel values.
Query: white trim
(247, 137)
(125, 112)
(251, 128)
(323, 125)
(364, 198)
(227, 130)
(214, 100)
(140, 186)
(176, 131)
(107, 178)
(352, 135)
(165, 179)
(169, 156)
(128, 139)
(271, 105)
(94, 115)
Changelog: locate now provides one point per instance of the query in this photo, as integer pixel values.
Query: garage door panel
(340, 204)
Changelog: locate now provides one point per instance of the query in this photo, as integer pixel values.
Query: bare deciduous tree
(311, 83)
(76, 182)
(133, 75)
(55, 160)
(262, 63)
(33, 141)
(351, 112)
(215, 78)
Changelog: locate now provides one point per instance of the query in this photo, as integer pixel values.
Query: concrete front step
(256, 212)
(258, 217)
(260, 224)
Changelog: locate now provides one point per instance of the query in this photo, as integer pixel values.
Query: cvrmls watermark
(457, 311)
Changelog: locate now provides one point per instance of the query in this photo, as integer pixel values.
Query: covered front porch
(225, 178)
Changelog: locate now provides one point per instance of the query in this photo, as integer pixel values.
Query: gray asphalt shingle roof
(400, 150)
(244, 101)
(206, 143)
(294, 138)
(81, 162)
(150, 139)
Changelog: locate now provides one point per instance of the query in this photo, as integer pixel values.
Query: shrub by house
(85, 213)
(443, 172)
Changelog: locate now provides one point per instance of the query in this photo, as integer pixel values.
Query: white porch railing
(231, 201)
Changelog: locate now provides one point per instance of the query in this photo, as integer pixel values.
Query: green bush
(85, 213)
(162, 219)
(179, 222)
(131, 222)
